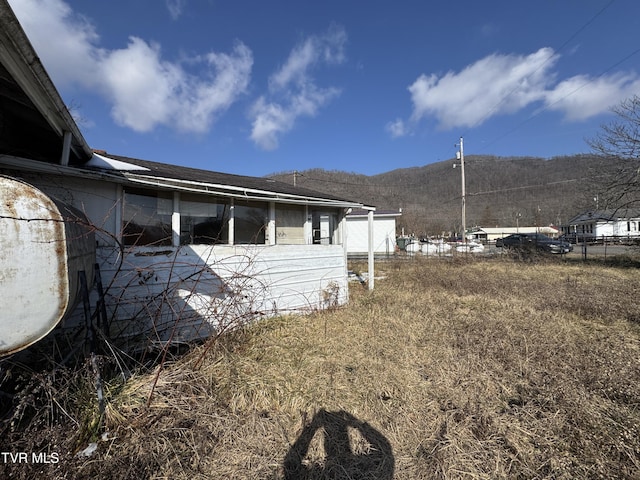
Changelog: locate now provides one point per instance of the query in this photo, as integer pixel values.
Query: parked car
(534, 241)
(575, 238)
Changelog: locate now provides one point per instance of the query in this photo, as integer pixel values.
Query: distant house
(601, 224)
(181, 252)
(491, 234)
(384, 231)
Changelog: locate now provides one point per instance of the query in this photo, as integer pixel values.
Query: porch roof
(175, 177)
(604, 216)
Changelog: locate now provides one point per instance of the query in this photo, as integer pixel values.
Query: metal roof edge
(234, 191)
(376, 213)
(30, 165)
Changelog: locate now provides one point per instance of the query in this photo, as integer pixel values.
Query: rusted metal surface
(45, 243)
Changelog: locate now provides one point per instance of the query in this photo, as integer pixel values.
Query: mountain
(500, 191)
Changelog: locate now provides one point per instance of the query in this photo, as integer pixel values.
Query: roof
(175, 177)
(362, 212)
(604, 216)
(509, 230)
(31, 104)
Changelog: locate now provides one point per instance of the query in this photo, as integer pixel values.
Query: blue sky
(258, 87)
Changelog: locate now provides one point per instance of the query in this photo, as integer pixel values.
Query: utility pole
(460, 156)
(295, 177)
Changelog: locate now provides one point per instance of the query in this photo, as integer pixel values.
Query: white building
(491, 234)
(604, 224)
(384, 231)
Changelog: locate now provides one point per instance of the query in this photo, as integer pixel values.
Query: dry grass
(447, 370)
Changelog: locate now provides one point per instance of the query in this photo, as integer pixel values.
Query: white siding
(384, 235)
(617, 228)
(607, 229)
(180, 294)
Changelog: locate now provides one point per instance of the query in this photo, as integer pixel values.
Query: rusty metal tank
(45, 243)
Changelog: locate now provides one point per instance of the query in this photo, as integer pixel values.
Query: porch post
(66, 148)
(231, 221)
(271, 225)
(175, 220)
(370, 241)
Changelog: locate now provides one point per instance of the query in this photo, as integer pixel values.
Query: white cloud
(220, 91)
(327, 48)
(139, 85)
(293, 92)
(493, 85)
(271, 119)
(582, 97)
(175, 7)
(145, 91)
(505, 84)
(397, 128)
(70, 57)
(296, 67)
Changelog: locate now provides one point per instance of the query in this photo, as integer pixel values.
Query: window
(324, 227)
(146, 218)
(203, 220)
(250, 222)
(290, 220)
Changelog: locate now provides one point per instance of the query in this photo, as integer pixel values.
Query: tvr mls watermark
(29, 457)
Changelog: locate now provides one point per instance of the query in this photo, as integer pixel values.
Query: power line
(483, 192)
(511, 189)
(559, 49)
(574, 35)
(354, 184)
(524, 187)
(547, 107)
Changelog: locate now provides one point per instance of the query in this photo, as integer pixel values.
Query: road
(603, 250)
(591, 250)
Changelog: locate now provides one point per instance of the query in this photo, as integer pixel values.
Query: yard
(460, 368)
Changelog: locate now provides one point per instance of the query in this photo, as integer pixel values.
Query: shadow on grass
(372, 458)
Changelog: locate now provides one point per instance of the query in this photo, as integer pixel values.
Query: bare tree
(619, 142)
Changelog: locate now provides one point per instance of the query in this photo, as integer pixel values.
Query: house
(604, 224)
(490, 234)
(384, 231)
(180, 253)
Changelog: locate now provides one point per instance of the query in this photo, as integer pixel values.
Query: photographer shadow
(372, 460)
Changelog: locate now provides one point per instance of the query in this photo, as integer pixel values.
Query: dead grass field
(449, 369)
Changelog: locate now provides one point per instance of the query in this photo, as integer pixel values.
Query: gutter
(235, 191)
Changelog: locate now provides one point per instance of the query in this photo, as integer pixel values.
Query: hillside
(499, 190)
